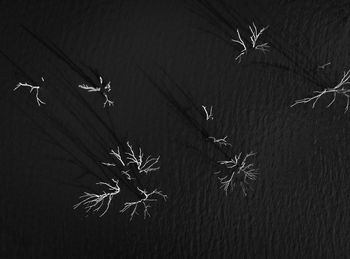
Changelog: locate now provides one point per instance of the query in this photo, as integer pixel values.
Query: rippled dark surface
(299, 207)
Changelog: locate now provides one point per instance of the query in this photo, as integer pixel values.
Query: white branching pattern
(145, 202)
(35, 88)
(241, 42)
(95, 202)
(117, 155)
(241, 173)
(255, 34)
(208, 114)
(340, 89)
(220, 141)
(143, 165)
(104, 89)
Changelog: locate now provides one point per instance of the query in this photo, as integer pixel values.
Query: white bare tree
(340, 89)
(148, 198)
(255, 34)
(143, 165)
(35, 88)
(95, 202)
(240, 173)
(104, 89)
(244, 47)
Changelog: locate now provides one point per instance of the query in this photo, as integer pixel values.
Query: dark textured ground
(300, 204)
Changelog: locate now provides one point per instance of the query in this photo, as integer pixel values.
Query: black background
(299, 207)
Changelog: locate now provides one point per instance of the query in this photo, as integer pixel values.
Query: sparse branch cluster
(130, 164)
(104, 88)
(32, 88)
(143, 165)
(95, 202)
(255, 34)
(209, 116)
(148, 198)
(240, 172)
(221, 141)
(340, 89)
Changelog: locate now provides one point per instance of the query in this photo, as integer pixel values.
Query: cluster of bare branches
(104, 89)
(241, 42)
(340, 89)
(255, 34)
(148, 197)
(96, 201)
(143, 165)
(35, 88)
(92, 201)
(241, 172)
(221, 141)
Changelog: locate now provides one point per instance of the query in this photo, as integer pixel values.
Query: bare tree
(104, 89)
(255, 34)
(92, 201)
(340, 89)
(240, 42)
(145, 202)
(143, 165)
(35, 88)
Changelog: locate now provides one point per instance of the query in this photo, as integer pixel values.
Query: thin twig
(209, 115)
(117, 155)
(146, 166)
(255, 34)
